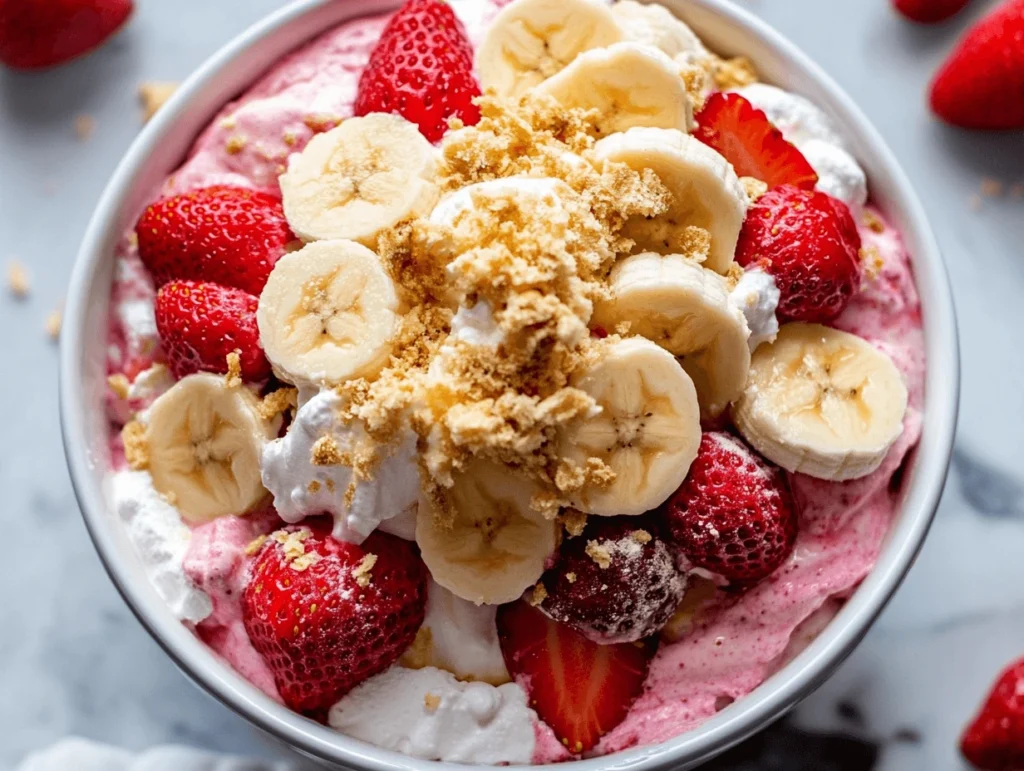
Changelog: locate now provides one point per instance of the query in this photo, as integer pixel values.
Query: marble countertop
(74, 661)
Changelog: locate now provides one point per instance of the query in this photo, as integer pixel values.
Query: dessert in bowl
(520, 382)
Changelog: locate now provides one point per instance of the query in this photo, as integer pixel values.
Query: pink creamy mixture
(735, 643)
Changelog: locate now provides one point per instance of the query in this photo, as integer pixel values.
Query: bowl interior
(161, 148)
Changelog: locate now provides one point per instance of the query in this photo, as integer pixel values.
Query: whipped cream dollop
(161, 541)
(757, 296)
(816, 136)
(476, 326)
(429, 714)
(301, 488)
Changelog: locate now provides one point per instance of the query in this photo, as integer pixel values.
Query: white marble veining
(72, 658)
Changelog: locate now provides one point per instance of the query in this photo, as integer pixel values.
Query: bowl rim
(771, 699)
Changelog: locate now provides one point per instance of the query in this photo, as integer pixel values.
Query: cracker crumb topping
(233, 378)
(326, 452)
(754, 187)
(599, 554)
(421, 652)
(538, 595)
(574, 521)
(431, 701)
(361, 573)
(52, 324)
(235, 144)
(872, 221)
(153, 94)
(17, 279)
(734, 73)
(278, 402)
(641, 536)
(255, 545)
(119, 385)
(136, 447)
(570, 577)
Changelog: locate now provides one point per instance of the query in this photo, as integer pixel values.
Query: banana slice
(497, 546)
(358, 179)
(822, 402)
(328, 313)
(648, 430)
(205, 441)
(531, 40)
(655, 25)
(628, 84)
(685, 309)
(706, 191)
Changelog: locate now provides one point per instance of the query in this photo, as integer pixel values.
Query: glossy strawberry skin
(35, 34)
(201, 323)
(422, 69)
(743, 134)
(321, 632)
(810, 243)
(226, 235)
(994, 741)
(930, 11)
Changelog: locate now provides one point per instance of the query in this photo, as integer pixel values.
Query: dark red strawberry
(618, 582)
(981, 86)
(995, 740)
(930, 11)
(578, 687)
(41, 33)
(809, 242)
(326, 614)
(201, 323)
(734, 515)
(227, 235)
(422, 69)
(748, 140)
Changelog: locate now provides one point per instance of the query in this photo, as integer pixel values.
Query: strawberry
(810, 243)
(748, 140)
(41, 33)
(630, 596)
(578, 687)
(995, 740)
(227, 235)
(422, 69)
(981, 86)
(930, 11)
(734, 515)
(201, 323)
(326, 623)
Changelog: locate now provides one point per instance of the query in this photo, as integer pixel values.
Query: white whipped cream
(429, 714)
(161, 541)
(756, 296)
(452, 205)
(85, 755)
(476, 326)
(302, 489)
(816, 136)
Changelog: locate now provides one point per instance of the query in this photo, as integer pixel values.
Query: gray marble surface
(72, 658)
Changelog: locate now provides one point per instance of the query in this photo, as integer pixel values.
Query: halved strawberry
(748, 140)
(579, 688)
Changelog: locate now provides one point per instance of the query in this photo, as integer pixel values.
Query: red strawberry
(930, 11)
(227, 235)
(981, 86)
(422, 69)
(201, 323)
(618, 582)
(578, 687)
(809, 242)
(995, 740)
(41, 33)
(734, 514)
(324, 624)
(748, 140)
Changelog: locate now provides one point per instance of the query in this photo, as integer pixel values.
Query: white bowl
(161, 148)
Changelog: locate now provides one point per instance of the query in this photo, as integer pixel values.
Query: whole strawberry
(995, 740)
(734, 515)
(809, 242)
(981, 86)
(618, 582)
(227, 235)
(930, 11)
(422, 69)
(748, 140)
(201, 323)
(42, 33)
(326, 614)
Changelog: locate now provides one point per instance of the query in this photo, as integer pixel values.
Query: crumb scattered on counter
(85, 125)
(53, 323)
(17, 279)
(991, 188)
(153, 94)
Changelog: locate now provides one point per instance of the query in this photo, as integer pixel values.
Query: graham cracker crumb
(17, 279)
(278, 402)
(290, 138)
(754, 187)
(313, 487)
(53, 322)
(538, 595)
(229, 123)
(235, 144)
(119, 385)
(421, 653)
(255, 545)
(570, 577)
(361, 573)
(233, 378)
(85, 125)
(992, 188)
(734, 73)
(574, 521)
(153, 94)
(733, 275)
(872, 221)
(871, 260)
(319, 122)
(599, 554)
(641, 536)
(326, 452)
(431, 701)
(136, 448)
(304, 561)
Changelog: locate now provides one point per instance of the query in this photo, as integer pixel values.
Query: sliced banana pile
(205, 441)
(822, 402)
(685, 309)
(497, 545)
(647, 432)
(328, 313)
(359, 179)
(628, 84)
(706, 192)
